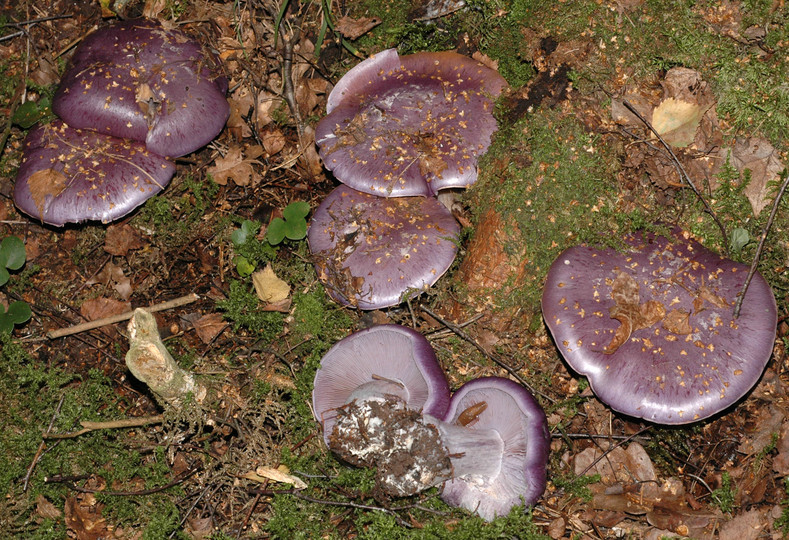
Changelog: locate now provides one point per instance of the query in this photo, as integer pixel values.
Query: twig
(481, 349)
(682, 174)
(43, 444)
(758, 255)
(170, 304)
(605, 453)
(31, 22)
(88, 426)
(75, 487)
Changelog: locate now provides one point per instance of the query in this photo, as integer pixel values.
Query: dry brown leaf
(234, 167)
(46, 509)
(678, 322)
(677, 121)
(748, 525)
(273, 141)
(120, 239)
(763, 160)
(353, 28)
(267, 103)
(270, 288)
(209, 326)
(44, 183)
(98, 308)
(112, 275)
(629, 311)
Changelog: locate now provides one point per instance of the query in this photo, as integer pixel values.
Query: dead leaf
(120, 239)
(112, 276)
(209, 326)
(678, 322)
(677, 121)
(83, 514)
(745, 526)
(269, 287)
(281, 474)
(631, 314)
(273, 141)
(763, 160)
(98, 308)
(354, 28)
(46, 509)
(43, 183)
(153, 8)
(233, 166)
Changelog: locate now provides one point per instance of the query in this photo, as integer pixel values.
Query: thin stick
(170, 304)
(481, 349)
(80, 489)
(758, 255)
(88, 426)
(43, 444)
(682, 174)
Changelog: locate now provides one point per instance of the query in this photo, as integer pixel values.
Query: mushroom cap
(410, 125)
(520, 421)
(674, 354)
(137, 80)
(69, 175)
(371, 251)
(387, 352)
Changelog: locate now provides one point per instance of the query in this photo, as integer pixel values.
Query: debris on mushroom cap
(69, 175)
(371, 251)
(385, 360)
(135, 79)
(411, 125)
(495, 404)
(652, 327)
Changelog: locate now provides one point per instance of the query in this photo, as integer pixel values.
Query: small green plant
(241, 237)
(724, 496)
(12, 257)
(292, 225)
(30, 112)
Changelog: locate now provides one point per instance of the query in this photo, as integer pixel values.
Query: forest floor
(253, 464)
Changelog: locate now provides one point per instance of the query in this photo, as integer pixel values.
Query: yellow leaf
(677, 121)
(269, 287)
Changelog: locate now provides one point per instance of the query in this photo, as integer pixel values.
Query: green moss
(244, 309)
(554, 186)
(36, 395)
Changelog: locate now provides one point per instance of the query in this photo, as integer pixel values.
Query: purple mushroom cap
(507, 408)
(653, 329)
(411, 125)
(372, 251)
(135, 79)
(70, 175)
(391, 359)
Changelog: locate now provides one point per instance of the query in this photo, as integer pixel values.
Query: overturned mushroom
(69, 175)
(652, 326)
(491, 448)
(381, 362)
(411, 125)
(135, 79)
(373, 252)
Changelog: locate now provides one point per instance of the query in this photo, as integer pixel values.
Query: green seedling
(244, 238)
(12, 257)
(292, 225)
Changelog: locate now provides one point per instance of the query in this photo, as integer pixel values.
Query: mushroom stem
(475, 454)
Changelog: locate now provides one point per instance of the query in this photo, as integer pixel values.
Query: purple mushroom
(135, 79)
(382, 361)
(520, 454)
(69, 175)
(652, 326)
(411, 125)
(371, 252)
